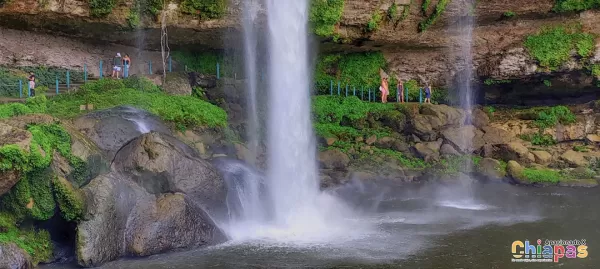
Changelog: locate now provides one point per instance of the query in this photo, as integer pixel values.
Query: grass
(575, 5)
(36, 243)
(508, 14)
(541, 175)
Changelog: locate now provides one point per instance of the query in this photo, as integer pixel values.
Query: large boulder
(162, 164)
(433, 118)
(542, 157)
(465, 139)
(479, 118)
(574, 158)
(491, 169)
(515, 171)
(394, 119)
(447, 115)
(20, 138)
(13, 257)
(393, 144)
(333, 159)
(122, 219)
(177, 84)
(514, 151)
(428, 150)
(111, 128)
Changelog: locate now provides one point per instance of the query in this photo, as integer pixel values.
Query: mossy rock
(70, 200)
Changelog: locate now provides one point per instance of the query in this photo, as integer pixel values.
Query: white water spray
(251, 9)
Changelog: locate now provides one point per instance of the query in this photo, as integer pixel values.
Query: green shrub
(425, 7)
(541, 175)
(332, 109)
(14, 109)
(101, 8)
(9, 82)
(360, 70)
(133, 19)
(489, 110)
(324, 15)
(547, 83)
(539, 139)
(490, 81)
(206, 9)
(392, 11)
(580, 148)
(549, 117)
(575, 5)
(374, 22)
(439, 9)
(552, 46)
(136, 82)
(595, 70)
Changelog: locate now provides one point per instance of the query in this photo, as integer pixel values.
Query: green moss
(548, 83)
(133, 19)
(575, 5)
(374, 22)
(101, 8)
(508, 14)
(425, 7)
(490, 81)
(552, 46)
(69, 200)
(439, 9)
(541, 175)
(324, 15)
(206, 9)
(392, 11)
(36, 243)
(404, 160)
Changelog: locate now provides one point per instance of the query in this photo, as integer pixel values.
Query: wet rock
(515, 171)
(13, 257)
(466, 139)
(333, 159)
(177, 84)
(542, 157)
(162, 164)
(395, 120)
(428, 150)
(123, 219)
(479, 118)
(491, 169)
(574, 158)
(448, 150)
(110, 129)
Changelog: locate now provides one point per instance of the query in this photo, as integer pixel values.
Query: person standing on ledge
(401, 90)
(428, 93)
(117, 62)
(384, 88)
(126, 64)
(32, 84)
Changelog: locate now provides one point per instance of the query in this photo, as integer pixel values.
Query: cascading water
(251, 9)
(288, 205)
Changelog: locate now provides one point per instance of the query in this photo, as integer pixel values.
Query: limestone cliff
(498, 50)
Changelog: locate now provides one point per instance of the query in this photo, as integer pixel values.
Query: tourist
(126, 64)
(31, 84)
(428, 94)
(401, 90)
(117, 62)
(384, 88)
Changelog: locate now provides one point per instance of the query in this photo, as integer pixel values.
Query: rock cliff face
(497, 39)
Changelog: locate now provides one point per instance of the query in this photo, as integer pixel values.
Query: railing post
(101, 73)
(84, 73)
(369, 95)
(218, 71)
(397, 95)
(20, 89)
(29, 89)
(406, 91)
(354, 90)
(338, 88)
(68, 80)
(150, 67)
(346, 90)
(56, 84)
(362, 92)
(185, 68)
(126, 71)
(420, 95)
(331, 87)
(170, 64)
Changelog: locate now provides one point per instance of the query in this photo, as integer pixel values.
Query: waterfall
(286, 204)
(251, 9)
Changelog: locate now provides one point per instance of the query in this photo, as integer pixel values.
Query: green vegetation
(206, 9)
(549, 117)
(325, 15)
(508, 14)
(101, 8)
(552, 46)
(595, 70)
(539, 139)
(360, 70)
(404, 160)
(9, 82)
(36, 243)
(489, 110)
(68, 199)
(374, 22)
(439, 9)
(406, 11)
(491, 81)
(580, 148)
(392, 11)
(452, 165)
(133, 18)
(541, 175)
(547, 83)
(575, 5)
(205, 62)
(181, 110)
(425, 7)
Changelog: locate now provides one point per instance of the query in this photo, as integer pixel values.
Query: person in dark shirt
(32, 83)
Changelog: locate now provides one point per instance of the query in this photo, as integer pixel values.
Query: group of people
(119, 62)
(385, 90)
